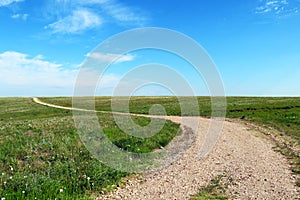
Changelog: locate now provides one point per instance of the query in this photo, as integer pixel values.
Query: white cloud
(17, 69)
(109, 57)
(84, 2)
(90, 14)
(276, 7)
(116, 10)
(20, 16)
(8, 2)
(122, 13)
(80, 20)
(22, 75)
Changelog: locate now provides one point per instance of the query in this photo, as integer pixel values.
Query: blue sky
(254, 43)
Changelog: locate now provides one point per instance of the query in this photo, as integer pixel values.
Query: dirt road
(244, 156)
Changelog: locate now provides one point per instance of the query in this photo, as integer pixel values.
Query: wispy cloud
(90, 14)
(277, 7)
(123, 14)
(20, 16)
(109, 57)
(85, 2)
(8, 2)
(80, 20)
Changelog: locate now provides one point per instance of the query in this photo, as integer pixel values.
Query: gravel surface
(256, 171)
(242, 154)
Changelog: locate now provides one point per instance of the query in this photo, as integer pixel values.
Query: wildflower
(2, 174)
(88, 178)
(10, 177)
(61, 190)
(2, 198)
(23, 192)
(4, 182)
(11, 168)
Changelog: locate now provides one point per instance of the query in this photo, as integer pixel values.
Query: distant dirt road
(252, 169)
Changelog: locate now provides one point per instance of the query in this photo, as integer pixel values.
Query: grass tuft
(214, 190)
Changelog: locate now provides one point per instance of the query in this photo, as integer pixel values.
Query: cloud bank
(22, 75)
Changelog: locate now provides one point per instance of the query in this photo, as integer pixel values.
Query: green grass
(279, 113)
(214, 190)
(42, 156)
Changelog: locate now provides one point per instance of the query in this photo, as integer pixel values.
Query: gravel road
(243, 155)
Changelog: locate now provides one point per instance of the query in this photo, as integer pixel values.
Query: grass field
(279, 113)
(42, 156)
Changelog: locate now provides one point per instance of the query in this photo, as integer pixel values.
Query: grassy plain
(42, 156)
(282, 113)
(279, 115)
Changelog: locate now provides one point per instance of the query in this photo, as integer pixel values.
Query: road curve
(244, 156)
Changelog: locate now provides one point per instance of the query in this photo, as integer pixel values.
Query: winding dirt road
(252, 169)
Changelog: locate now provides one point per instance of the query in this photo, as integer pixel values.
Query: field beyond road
(42, 154)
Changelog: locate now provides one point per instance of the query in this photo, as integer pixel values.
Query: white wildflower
(61, 190)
